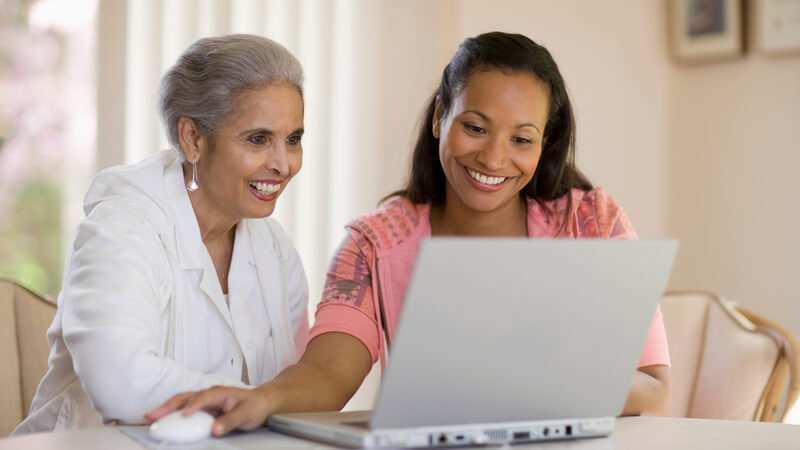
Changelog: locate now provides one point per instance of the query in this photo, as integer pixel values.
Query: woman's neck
(213, 228)
(455, 219)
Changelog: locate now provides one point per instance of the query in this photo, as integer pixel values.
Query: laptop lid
(507, 330)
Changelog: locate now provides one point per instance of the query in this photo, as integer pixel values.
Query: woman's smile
(485, 182)
(266, 190)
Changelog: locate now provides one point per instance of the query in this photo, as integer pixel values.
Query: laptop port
(520, 435)
(459, 437)
(568, 430)
(442, 438)
(546, 431)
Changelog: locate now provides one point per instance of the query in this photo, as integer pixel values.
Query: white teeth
(484, 179)
(266, 188)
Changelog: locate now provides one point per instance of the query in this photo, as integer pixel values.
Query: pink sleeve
(346, 305)
(656, 350)
(598, 215)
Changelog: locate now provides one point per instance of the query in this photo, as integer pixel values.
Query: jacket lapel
(269, 270)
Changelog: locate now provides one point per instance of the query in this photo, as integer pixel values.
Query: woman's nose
(278, 160)
(493, 154)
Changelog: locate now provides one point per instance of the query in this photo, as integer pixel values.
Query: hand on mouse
(241, 409)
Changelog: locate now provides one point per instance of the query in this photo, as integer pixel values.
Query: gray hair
(207, 78)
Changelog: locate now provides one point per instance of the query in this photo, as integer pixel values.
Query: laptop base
(350, 429)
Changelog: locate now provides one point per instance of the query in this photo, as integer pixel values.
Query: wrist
(270, 396)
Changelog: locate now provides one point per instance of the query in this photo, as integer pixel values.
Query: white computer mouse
(175, 428)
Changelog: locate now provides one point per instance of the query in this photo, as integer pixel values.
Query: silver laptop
(508, 340)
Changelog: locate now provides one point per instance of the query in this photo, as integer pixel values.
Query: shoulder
(121, 230)
(393, 223)
(122, 212)
(134, 192)
(592, 213)
(120, 226)
(595, 202)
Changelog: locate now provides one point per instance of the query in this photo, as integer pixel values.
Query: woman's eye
(474, 128)
(521, 140)
(294, 140)
(258, 139)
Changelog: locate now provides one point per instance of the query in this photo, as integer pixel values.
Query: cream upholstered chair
(727, 362)
(24, 319)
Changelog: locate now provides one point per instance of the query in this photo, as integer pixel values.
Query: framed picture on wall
(705, 30)
(778, 26)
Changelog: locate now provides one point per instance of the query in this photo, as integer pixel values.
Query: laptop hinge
(381, 306)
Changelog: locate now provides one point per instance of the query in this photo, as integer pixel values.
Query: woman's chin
(484, 202)
(262, 212)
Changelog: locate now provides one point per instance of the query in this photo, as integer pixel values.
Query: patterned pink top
(386, 241)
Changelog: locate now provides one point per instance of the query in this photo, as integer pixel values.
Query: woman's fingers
(211, 399)
(173, 404)
(249, 413)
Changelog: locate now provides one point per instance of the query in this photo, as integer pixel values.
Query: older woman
(177, 280)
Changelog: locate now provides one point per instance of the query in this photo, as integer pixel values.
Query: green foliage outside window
(30, 237)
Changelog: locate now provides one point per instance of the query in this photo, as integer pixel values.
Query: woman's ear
(437, 117)
(192, 141)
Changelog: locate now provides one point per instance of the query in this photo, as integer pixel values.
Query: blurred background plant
(47, 133)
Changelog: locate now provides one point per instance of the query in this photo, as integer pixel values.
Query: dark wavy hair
(556, 173)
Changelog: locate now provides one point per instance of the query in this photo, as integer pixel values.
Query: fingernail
(218, 429)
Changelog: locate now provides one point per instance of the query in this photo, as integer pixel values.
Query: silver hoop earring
(193, 186)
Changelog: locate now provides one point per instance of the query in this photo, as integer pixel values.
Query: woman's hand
(239, 409)
(649, 393)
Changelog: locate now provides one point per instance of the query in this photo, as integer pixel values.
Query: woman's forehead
(505, 93)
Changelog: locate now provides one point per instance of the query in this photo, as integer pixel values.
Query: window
(47, 133)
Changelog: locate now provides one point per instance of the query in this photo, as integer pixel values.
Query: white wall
(734, 149)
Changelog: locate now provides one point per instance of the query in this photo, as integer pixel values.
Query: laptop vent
(497, 435)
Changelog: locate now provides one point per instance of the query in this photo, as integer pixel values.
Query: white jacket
(141, 316)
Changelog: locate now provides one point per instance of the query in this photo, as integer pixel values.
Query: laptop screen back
(504, 330)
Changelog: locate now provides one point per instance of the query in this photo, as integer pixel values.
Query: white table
(630, 433)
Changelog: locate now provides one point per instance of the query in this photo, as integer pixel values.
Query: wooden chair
(24, 319)
(727, 362)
